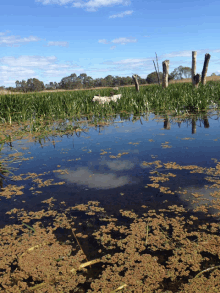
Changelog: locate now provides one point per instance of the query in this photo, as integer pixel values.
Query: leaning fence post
(205, 68)
(195, 77)
(165, 64)
(136, 82)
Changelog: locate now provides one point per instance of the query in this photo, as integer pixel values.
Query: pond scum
(82, 248)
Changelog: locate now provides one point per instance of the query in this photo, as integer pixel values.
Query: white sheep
(103, 100)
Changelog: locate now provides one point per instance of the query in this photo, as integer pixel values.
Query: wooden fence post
(195, 77)
(165, 64)
(136, 82)
(193, 65)
(205, 68)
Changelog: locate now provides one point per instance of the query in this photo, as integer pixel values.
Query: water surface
(112, 164)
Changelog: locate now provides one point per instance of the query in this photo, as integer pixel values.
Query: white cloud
(101, 178)
(15, 41)
(129, 61)
(130, 64)
(206, 196)
(128, 12)
(113, 47)
(83, 176)
(187, 53)
(61, 44)
(91, 5)
(43, 68)
(28, 61)
(103, 41)
(115, 165)
(58, 72)
(59, 2)
(6, 32)
(123, 41)
(8, 75)
(177, 54)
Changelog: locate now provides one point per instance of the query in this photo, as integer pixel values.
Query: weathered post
(195, 77)
(205, 68)
(193, 65)
(165, 64)
(136, 82)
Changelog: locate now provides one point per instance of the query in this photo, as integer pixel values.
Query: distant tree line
(84, 82)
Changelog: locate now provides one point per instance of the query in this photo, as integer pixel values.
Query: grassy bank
(36, 112)
(177, 97)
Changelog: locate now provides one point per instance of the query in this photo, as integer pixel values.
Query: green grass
(38, 107)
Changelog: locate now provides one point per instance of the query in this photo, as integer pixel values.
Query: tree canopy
(83, 81)
(76, 82)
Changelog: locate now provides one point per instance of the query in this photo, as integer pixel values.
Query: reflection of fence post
(205, 68)
(136, 82)
(193, 125)
(195, 77)
(166, 124)
(165, 73)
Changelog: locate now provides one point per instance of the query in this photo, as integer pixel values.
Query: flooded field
(127, 204)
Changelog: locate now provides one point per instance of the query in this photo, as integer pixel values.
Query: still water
(113, 164)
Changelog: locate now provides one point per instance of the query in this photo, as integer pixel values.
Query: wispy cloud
(59, 2)
(4, 33)
(113, 47)
(177, 54)
(15, 41)
(43, 68)
(187, 53)
(103, 41)
(59, 44)
(129, 61)
(128, 12)
(122, 41)
(29, 61)
(135, 64)
(99, 179)
(91, 5)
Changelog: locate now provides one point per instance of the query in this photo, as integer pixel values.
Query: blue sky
(51, 39)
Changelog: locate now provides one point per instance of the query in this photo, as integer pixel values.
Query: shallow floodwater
(112, 164)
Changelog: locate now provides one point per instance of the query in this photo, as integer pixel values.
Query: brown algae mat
(82, 248)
